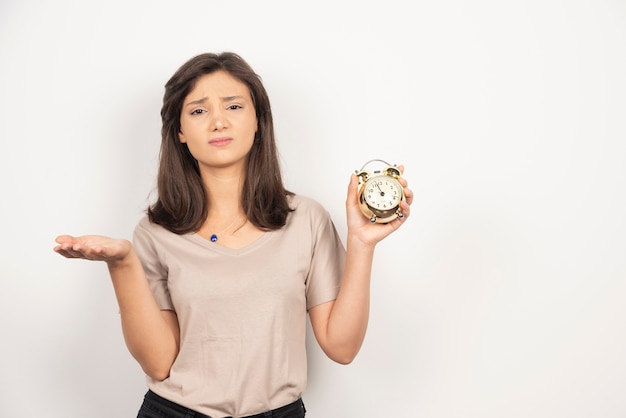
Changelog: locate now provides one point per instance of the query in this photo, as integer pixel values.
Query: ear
(181, 137)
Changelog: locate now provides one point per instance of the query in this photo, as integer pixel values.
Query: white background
(503, 296)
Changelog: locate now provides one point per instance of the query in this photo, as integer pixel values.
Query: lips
(220, 142)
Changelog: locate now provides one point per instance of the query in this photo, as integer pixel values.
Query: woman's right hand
(152, 335)
(93, 247)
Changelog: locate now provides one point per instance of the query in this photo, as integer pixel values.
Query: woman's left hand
(359, 226)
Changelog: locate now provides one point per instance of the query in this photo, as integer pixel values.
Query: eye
(197, 111)
(234, 107)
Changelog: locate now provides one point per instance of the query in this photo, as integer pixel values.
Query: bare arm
(152, 336)
(340, 325)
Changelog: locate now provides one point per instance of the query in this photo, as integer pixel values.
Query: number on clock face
(383, 193)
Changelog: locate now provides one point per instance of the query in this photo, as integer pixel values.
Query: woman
(223, 269)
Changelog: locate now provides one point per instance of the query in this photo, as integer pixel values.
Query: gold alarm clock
(380, 193)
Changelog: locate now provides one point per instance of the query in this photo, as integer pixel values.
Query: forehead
(219, 84)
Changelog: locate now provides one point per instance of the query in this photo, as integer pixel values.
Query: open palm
(92, 247)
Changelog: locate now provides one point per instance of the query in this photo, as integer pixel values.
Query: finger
(65, 253)
(64, 239)
(408, 195)
(90, 252)
(352, 188)
(397, 223)
(403, 181)
(77, 250)
(406, 210)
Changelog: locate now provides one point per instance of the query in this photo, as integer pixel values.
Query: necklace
(214, 235)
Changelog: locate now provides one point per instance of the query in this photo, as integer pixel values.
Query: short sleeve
(327, 262)
(147, 251)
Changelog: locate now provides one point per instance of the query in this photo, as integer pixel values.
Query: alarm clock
(380, 193)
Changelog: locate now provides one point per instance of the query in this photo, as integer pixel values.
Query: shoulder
(308, 215)
(149, 230)
(152, 238)
(145, 225)
(307, 205)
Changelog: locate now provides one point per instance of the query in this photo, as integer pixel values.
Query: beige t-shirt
(242, 313)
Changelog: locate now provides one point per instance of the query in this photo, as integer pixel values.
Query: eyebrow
(204, 99)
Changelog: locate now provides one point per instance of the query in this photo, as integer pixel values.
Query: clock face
(382, 193)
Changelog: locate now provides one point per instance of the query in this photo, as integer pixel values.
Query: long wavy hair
(182, 203)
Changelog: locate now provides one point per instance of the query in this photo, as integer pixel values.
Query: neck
(224, 188)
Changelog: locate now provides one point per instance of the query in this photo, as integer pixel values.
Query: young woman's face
(218, 121)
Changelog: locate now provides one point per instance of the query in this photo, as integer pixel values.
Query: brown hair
(182, 203)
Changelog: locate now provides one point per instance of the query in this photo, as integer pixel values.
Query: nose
(218, 122)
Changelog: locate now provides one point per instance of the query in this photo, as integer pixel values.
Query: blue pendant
(213, 238)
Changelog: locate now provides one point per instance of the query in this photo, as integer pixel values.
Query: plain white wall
(503, 296)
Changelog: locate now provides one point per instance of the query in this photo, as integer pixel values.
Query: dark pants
(155, 406)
